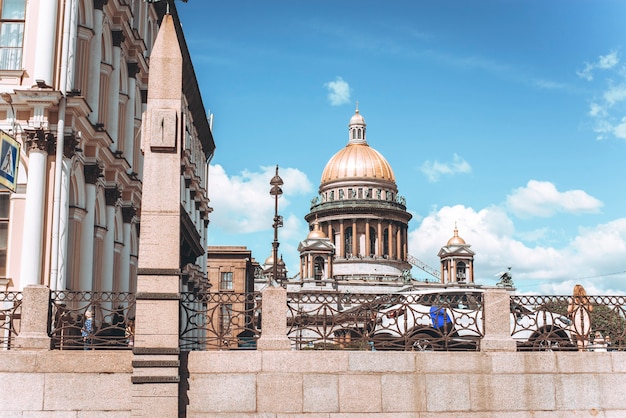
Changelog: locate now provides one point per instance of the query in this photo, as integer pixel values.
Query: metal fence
(424, 320)
(91, 320)
(595, 323)
(444, 321)
(220, 321)
(10, 316)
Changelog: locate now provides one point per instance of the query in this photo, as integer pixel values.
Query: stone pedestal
(33, 334)
(274, 320)
(496, 305)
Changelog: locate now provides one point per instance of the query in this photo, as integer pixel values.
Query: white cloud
(615, 94)
(541, 198)
(604, 62)
(242, 203)
(608, 109)
(434, 169)
(338, 92)
(594, 258)
(620, 130)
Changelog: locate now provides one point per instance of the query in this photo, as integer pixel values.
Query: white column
(32, 235)
(46, 39)
(114, 91)
(108, 251)
(95, 53)
(85, 280)
(64, 225)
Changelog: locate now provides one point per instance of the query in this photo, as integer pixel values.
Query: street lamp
(276, 191)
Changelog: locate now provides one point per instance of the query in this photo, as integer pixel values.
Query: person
(609, 344)
(599, 342)
(130, 333)
(579, 310)
(87, 329)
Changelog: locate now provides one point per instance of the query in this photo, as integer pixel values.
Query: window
(318, 270)
(226, 313)
(12, 16)
(4, 232)
(226, 281)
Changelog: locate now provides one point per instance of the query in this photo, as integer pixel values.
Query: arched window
(318, 269)
(386, 243)
(460, 271)
(348, 241)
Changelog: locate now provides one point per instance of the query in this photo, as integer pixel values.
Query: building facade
(74, 87)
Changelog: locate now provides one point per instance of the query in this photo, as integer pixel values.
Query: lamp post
(276, 191)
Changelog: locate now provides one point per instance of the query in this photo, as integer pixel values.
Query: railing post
(274, 320)
(496, 305)
(34, 320)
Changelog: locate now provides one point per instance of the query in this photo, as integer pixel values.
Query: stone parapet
(274, 320)
(33, 333)
(496, 305)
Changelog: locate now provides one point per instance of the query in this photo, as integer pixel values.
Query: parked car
(452, 319)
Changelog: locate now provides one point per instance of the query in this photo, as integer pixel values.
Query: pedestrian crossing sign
(9, 160)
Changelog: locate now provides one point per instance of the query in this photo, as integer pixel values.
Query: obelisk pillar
(155, 365)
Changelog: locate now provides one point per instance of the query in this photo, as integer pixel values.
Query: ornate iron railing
(558, 323)
(220, 321)
(112, 325)
(10, 316)
(444, 321)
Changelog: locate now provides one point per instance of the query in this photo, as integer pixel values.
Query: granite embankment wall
(322, 384)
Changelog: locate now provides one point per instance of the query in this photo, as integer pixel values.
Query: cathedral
(358, 229)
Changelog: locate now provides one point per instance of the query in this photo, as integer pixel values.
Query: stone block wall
(332, 384)
(65, 383)
(322, 384)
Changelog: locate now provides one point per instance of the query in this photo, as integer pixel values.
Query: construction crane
(421, 265)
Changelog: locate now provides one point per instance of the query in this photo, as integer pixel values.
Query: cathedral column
(114, 90)
(95, 54)
(129, 129)
(355, 240)
(380, 239)
(342, 237)
(329, 234)
(453, 271)
(85, 279)
(443, 272)
(111, 195)
(399, 243)
(390, 240)
(368, 244)
(38, 143)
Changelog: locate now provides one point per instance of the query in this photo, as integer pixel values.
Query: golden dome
(269, 261)
(357, 160)
(456, 239)
(316, 232)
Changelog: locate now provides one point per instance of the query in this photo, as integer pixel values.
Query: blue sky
(505, 117)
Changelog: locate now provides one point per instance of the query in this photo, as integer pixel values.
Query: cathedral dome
(456, 239)
(357, 160)
(316, 232)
